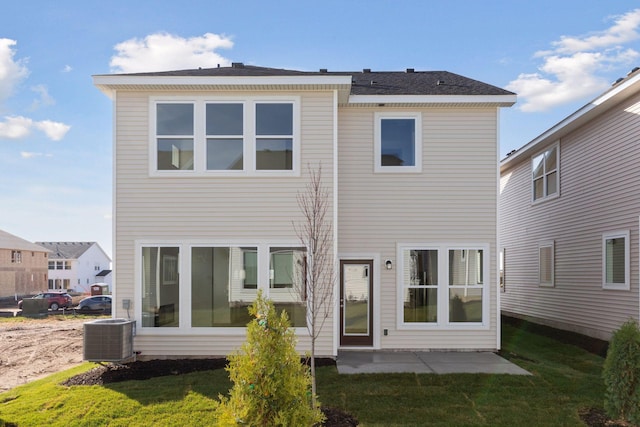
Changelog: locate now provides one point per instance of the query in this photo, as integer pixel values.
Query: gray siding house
(208, 165)
(569, 215)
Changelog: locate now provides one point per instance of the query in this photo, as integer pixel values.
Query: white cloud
(11, 72)
(15, 127)
(19, 127)
(54, 130)
(67, 69)
(30, 154)
(44, 100)
(165, 52)
(573, 68)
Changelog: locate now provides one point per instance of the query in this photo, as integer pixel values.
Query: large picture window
(442, 286)
(615, 260)
(219, 295)
(220, 283)
(398, 142)
(226, 136)
(545, 174)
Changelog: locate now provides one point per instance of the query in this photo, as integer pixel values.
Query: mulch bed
(140, 370)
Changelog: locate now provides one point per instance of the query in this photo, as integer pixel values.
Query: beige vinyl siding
(452, 201)
(206, 208)
(599, 193)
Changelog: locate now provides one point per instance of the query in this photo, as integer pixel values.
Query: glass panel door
(356, 303)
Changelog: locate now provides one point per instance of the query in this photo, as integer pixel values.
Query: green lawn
(565, 379)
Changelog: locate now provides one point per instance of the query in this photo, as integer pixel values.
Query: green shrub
(622, 374)
(271, 387)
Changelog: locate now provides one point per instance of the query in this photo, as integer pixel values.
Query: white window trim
(443, 322)
(547, 244)
(184, 263)
(249, 136)
(557, 193)
(627, 259)
(377, 138)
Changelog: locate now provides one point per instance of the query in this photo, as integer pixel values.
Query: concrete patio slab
(424, 362)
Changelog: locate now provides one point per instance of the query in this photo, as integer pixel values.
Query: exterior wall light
(388, 264)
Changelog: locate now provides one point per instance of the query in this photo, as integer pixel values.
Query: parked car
(96, 303)
(56, 300)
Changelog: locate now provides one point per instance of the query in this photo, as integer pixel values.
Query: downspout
(336, 265)
(496, 285)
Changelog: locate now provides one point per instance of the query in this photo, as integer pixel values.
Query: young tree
(270, 385)
(318, 275)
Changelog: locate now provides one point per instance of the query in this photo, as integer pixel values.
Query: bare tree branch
(315, 232)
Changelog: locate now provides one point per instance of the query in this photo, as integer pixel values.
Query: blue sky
(55, 126)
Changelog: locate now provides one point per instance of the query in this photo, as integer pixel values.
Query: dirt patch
(34, 349)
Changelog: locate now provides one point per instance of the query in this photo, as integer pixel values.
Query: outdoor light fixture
(388, 264)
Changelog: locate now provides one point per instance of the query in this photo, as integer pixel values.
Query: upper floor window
(16, 257)
(227, 136)
(545, 173)
(398, 142)
(615, 260)
(174, 136)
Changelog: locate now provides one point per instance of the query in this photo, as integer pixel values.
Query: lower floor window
(442, 285)
(223, 282)
(615, 260)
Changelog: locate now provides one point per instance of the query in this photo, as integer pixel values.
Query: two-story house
(208, 164)
(77, 265)
(569, 210)
(23, 266)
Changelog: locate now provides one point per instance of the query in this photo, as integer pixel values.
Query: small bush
(622, 374)
(271, 387)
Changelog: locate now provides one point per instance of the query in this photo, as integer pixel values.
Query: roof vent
(323, 70)
(633, 70)
(237, 65)
(410, 70)
(617, 81)
(439, 82)
(366, 70)
(372, 83)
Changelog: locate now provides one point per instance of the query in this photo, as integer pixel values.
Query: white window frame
(249, 135)
(16, 257)
(542, 245)
(545, 174)
(378, 117)
(443, 322)
(184, 283)
(627, 260)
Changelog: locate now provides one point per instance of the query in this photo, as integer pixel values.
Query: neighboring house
(23, 266)
(209, 163)
(77, 265)
(569, 212)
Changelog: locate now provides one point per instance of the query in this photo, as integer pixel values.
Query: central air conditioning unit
(109, 340)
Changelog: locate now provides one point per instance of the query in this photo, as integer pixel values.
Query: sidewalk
(424, 362)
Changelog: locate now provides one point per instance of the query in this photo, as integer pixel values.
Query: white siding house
(569, 211)
(209, 164)
(77, 265)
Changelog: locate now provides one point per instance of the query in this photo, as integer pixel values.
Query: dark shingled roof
(364, 82)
